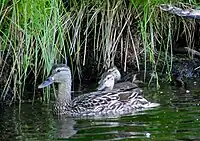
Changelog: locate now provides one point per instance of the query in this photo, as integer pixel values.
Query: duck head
(60, 74)
(114, 71)
(107, 83)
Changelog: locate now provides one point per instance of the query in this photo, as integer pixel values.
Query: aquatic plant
(89, 34)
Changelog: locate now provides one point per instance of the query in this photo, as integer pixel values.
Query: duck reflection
(65, 127)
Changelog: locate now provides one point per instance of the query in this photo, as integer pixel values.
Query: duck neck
(64, 92)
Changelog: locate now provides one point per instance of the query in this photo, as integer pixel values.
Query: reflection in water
(176, 119)
(34, 123)
(65, 127)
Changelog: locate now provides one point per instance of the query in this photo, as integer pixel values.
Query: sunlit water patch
(177, 118)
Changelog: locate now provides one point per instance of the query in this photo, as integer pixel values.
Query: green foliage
(37, 34)
(34, 30)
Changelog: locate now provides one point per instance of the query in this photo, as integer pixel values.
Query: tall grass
(37, 34)
(35, 38)
(160, 32)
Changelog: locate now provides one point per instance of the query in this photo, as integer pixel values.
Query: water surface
(176, 119)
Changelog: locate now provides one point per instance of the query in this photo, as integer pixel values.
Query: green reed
(37, 34)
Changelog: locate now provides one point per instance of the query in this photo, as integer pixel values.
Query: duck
(113, 74)
(108, 84)
(97, 103)
(114, 71)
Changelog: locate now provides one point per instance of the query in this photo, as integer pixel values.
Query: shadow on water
(176, 119)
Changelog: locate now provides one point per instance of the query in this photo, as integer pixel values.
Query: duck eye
(58, 70)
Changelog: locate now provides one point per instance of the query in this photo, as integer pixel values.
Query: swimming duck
(108, 83)
(114, 71)
(109, 80)
(97, 103)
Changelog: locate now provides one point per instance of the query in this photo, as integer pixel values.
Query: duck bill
(46, 83)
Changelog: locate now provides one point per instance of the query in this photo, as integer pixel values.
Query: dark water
(178, 118)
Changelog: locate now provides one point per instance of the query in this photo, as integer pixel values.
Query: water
(177, 118)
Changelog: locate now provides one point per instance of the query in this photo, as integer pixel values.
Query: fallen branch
(189, 13)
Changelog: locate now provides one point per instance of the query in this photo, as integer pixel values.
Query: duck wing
(115, 101)
(125, 85)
